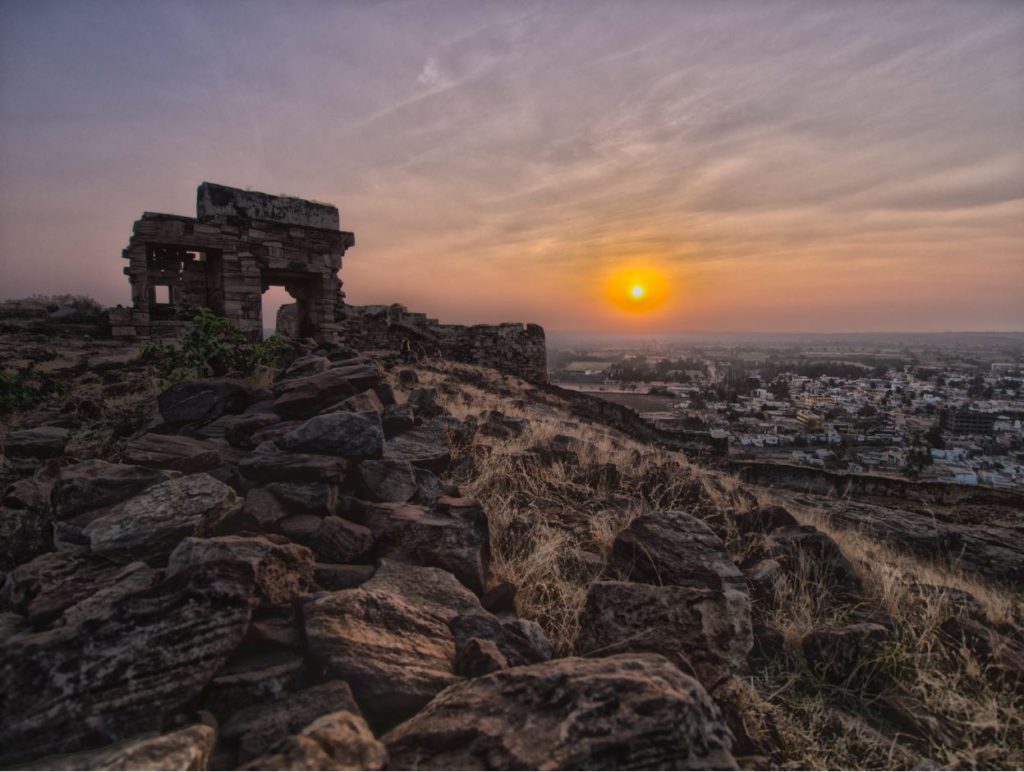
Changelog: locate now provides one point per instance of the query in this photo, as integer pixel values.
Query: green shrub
(212, 347)
(21, 389)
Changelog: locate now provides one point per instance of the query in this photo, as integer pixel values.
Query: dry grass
(551, 536)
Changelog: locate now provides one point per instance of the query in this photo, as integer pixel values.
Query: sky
(783, 166)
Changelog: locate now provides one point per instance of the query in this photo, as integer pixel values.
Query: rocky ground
(362, 565)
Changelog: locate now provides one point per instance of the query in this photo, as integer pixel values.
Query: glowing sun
(636, 289)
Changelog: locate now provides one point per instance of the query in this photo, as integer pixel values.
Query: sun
(637, 291)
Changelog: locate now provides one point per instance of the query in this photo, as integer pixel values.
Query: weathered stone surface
(389, 639)
(423, 403)
(349, 435)
(24, 534)
(254, 678)
(843, 654)
(239, 430)
(484, 644)
(168, 451)
(707, 632)
(797, 546)
(304, 366)
(454, 536)
(339, 576)
(387, 480)
(86, 685)
(675, 548)
(500, 598)
(339, 740)
(149, 526)
(626, 712)
(268, 464)
(428, 447)
(303, 397)
(764, 520)
(183, 749)
(333, 539)
(397, 419)
(95, 484)
(763, 577)
(257, 728)
(363, 402)
(38, 442)
(203, 400)
(991, 551)
(1001, 656)
(72, 586)
(281, 571)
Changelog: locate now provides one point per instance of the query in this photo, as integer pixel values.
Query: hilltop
(347, 561)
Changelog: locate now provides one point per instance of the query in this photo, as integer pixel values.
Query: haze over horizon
(794, 166)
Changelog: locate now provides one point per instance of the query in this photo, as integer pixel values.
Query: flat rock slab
(96, 484)
(168, 451)
(102, 681)
(675, 548)
(706, 631)
(203, 400)
(389, 639)
(625, 712)
(349, 435)
(39, 442)
(268, 464)
(149, 526)
(183, 749)
(428, 447)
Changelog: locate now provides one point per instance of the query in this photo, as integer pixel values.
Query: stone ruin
(240, 243)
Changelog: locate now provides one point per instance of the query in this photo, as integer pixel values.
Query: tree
(934, 437)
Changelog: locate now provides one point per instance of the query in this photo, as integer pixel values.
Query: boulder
(428, 447)
(626, 712)
(167, 451)
(675, 548)
(239, 430)
(423, 404)
(387, 480)
(454, 536)
(82, 686)
(804, 547)
(24, 534)
(764, 520)
(304, 397)
(255, 677)
(500, 598)
(389, 639)
(149, 526)
(258, 728)
(182, 749)
(483, 644)
(340, 740)
(349, 435)
(706, 632)
(843, 655)
(333, 539)
(203, 400)
(364, 402)
(268, 464)
(397, 419)
(38, 442)
(96, 484)
(71, 586)
(339, 576)
(311, 364)
(281, 571)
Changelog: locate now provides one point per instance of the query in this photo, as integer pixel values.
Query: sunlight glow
(637, 291)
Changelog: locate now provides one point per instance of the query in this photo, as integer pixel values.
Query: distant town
(923, 407)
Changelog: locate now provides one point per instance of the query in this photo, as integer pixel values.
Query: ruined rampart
(515, 348)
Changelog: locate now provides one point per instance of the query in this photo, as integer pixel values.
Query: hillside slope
(364, 565)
